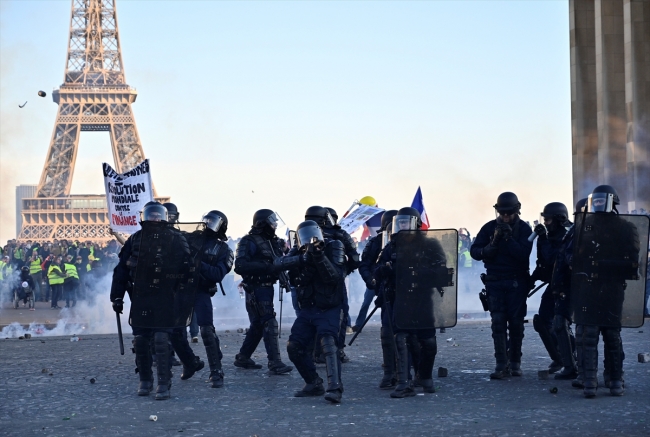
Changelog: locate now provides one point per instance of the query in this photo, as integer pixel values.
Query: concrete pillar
(610, 97)
(584, 128)
(637, 101)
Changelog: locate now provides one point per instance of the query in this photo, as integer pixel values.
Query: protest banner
(358, 217)
(126, 195)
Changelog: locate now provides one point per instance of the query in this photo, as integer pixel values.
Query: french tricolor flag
(419, 205)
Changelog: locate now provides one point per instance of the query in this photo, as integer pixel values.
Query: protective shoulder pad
(242, 247)
(335, 251)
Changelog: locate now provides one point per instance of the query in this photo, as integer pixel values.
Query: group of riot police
(171, 274)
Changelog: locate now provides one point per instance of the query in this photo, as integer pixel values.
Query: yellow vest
(35, 266)
(71, 270)
(53, 277)
(2, 269)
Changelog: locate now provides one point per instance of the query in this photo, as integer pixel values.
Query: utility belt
(485, 278)
(250, 287)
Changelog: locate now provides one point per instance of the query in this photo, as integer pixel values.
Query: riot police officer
(606, 256)
(366, 269)
(254, 259)
(503, 246)
(331, 231)
(405, 340)
(317, 270)
(560, 286)
(155, 261)
(550, 235)
(213, 259)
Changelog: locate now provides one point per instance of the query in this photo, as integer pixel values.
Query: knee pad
(385, 334)
(140, 344)
(498, 323)
(429, 346)
(271, 326)
(612, 338)
(328, 344)
(590, 336)
(208, 332)
(295, 350)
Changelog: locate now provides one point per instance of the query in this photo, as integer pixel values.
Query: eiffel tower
(93, 97)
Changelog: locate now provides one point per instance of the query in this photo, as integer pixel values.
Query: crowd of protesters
(56, 271)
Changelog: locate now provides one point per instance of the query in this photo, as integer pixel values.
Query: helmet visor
(600, 202)
(385, 236)
(404, 223)
(275, 221)
(329, 220)
(309, 234)
(154, 213)
(212, 221)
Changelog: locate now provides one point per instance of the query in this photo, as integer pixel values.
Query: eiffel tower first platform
(93, 97)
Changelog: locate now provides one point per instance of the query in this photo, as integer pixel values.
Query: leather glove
(118, 305)
(379, 301)
(506, 230)
(489, 251)
(540, 230)
(371, 284)
(496, 237)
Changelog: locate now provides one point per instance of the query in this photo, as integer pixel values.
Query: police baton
(535, 290)
(119, 333)
(361, 327)
(280, 322)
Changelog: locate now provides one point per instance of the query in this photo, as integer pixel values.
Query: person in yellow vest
(5, 269)
(71, 282)
(36, 272)
(56, 277)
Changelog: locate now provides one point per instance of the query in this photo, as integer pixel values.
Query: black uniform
(507, 282)
(254, 259)
(158, 302)
(214, 260)
(548, 247)
(319, 281)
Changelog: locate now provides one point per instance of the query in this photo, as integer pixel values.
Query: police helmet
(557, 211)
(308, 232)
(215, 221)
(320, 215)
(507, 203)
(407, 219)
(333, 214)
(24, 269)
(604, 198)
(267, 217)
(154, 212)
(580, 205)
(387, 218)
(172, 212)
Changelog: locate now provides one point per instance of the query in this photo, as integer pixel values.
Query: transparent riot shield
(163, 290)
(426, 269)
(609, 268)
(189, 227)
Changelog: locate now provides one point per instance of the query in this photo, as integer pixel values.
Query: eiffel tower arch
(93, 97)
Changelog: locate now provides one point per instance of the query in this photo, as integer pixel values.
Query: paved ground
(45, 389)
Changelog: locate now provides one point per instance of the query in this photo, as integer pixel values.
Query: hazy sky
(282, 105)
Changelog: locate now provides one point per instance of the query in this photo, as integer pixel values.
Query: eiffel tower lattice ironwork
(93, 97)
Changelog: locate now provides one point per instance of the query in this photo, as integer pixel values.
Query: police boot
(590, 360)
(213, 352)
(143, 364)
(562, 335)
(276, 366)
(579, 381)
(163, 358)
(191, 363)
(500, 350)
(313, 383)
(516, 338)
(333, 365)
(613, 356)
(388, 350)
(403, 388)
(429, 348)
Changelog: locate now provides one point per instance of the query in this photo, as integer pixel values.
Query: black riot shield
(609, 268)
(426, 269)
(163, 293)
